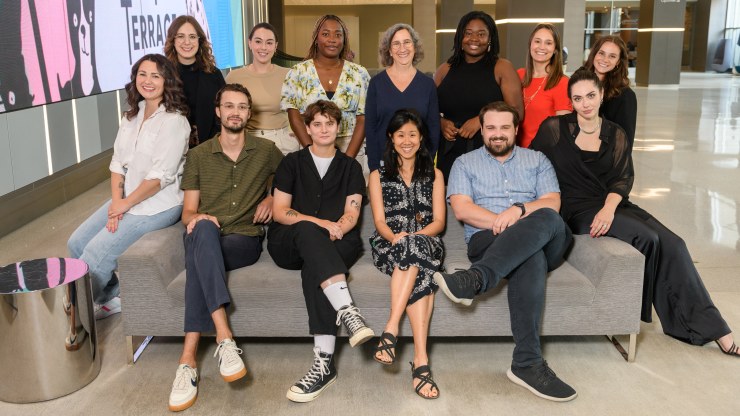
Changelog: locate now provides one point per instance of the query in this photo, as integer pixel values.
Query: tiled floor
(687, 160)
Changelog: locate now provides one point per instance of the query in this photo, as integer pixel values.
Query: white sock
(338, 295)
(325, 343)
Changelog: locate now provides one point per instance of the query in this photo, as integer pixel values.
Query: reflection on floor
(686, 160)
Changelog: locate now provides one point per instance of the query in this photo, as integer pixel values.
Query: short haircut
(323, 107)
(499, 107)
(384, 48)
(235, 88)
(583, 74)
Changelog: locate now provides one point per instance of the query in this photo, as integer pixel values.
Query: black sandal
(423, 373)
(388, 341)
(733, 350)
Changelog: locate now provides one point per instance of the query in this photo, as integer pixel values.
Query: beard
(498, 151)
(234, 128)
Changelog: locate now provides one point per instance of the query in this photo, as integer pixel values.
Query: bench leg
(129, 350)
(628, 355)
(131, 355)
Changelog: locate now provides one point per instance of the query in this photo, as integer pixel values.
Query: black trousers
(672, 283)
(208, 256)
(307, 247)
(523, 254)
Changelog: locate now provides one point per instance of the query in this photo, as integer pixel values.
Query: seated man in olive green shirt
(226, 183)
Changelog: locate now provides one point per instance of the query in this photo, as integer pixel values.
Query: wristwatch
(521, 206)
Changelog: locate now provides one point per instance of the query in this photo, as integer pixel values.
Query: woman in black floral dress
(408, 202)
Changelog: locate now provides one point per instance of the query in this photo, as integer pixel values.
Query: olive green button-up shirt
(231, 190)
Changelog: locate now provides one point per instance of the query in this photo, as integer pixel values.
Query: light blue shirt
(524, 176)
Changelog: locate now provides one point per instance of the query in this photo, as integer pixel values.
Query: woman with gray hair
(399, 86)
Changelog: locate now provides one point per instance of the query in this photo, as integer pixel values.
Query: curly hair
(458, 56)
(313, 51)
(423, 163)
(617, 79)
(204, 60)
(173, 97)
(384, 48)
(554, 68)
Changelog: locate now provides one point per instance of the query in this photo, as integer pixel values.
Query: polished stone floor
(687, 161)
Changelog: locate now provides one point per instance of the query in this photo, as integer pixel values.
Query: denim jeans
(99, 248)
(523, 254)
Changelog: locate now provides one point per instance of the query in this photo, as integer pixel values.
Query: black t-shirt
(321, 198)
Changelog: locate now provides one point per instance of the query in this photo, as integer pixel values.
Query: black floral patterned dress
(409, 209)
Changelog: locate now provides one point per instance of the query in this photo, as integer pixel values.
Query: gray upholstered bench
(597, 291)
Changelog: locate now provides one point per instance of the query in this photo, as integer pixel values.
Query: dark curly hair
(458, 56)
(423, 163)
(173, 96)
(617, 79)
(313, 51)
(204, 60)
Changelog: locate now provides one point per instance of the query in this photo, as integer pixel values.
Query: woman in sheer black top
(592, 159)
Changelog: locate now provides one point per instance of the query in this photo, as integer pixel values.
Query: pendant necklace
(528, 100)
(592, 131)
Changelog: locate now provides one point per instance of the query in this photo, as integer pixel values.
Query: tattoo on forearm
(347, 219)
(354, 204)
(291, 213)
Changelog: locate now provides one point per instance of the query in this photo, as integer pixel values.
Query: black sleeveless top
(466, 89)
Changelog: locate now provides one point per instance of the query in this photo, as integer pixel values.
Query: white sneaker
(184, 388)
(230, 364)
(107, 309)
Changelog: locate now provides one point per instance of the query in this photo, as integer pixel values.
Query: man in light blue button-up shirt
(508, 197)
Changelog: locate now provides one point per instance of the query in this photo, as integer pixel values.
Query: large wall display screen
(52, 50)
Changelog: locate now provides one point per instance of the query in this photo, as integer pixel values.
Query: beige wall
(372, 21)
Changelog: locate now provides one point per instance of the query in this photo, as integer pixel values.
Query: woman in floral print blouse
(327, 74)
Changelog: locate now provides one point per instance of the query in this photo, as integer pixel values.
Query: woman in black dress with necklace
(593, 162)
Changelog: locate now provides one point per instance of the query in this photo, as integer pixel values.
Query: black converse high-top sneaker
(358, 331)
(321, 375)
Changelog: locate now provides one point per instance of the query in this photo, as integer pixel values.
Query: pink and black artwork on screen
(39, 274)
(57, 50)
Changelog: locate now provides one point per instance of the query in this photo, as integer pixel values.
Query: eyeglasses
(180, 37)
(408, 43)
(231, 106)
